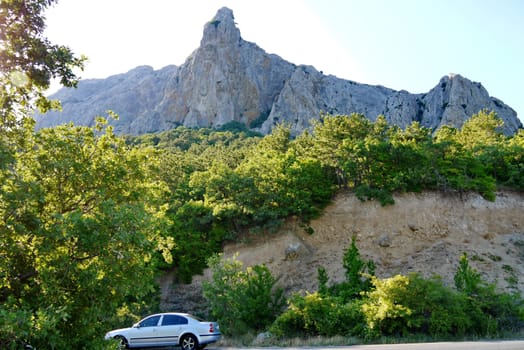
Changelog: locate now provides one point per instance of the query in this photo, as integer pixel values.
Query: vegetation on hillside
(363, 306)
(224, 184)
(83, 212)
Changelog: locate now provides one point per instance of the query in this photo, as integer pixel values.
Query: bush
(317, 315)
(403, 305)
(492, 313)
(242, 300)
(358, 275)
(366, 192)
(407, 305)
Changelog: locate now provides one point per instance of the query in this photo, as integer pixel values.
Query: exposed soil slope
(425, 233)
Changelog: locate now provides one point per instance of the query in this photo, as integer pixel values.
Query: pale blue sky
(401, 44)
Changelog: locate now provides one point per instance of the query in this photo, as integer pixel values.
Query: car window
(196, 318)
(172, 320)
(150, 321)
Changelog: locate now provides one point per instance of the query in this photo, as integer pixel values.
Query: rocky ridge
(230, 79)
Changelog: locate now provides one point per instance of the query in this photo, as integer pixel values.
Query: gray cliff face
(456, 98)
(229, 79)
(132, 96)
(308, 93)
(226, 79)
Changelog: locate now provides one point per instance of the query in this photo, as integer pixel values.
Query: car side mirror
(136, 325)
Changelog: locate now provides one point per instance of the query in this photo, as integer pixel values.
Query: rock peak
(224, 14)
(221, 29)
(453, 77)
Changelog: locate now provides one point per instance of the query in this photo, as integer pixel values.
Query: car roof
(170, 313)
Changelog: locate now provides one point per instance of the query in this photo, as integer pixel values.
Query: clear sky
(400, 44)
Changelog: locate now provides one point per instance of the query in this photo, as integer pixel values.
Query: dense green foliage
(376, 159)
(241, 299)
(314, 314)
(406, 306)
(333, 310)
(403, 305)
(223, 184)
(81, 217)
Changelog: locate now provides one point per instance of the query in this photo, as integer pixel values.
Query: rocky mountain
(229, 79)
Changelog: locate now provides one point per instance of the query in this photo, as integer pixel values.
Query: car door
(145, 332)
(170, 329)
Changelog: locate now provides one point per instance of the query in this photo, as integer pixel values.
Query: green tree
(358, 274)
(322, 278)
(338, 143)
(266, 167)
(481, 130)
(241, 299)
(514, 158)
(459, 167)
(411, 158)
(81, 216)
(467, 280)
(29, 61)
(482, 134)
(228, 193)
(198, 235)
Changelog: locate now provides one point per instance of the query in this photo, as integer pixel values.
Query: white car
(168, 329)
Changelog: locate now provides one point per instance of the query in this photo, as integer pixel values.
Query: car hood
(114, 332)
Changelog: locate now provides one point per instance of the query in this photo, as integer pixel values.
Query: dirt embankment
(425, 233)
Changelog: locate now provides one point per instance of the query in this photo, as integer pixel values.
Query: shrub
(314, 315)
(242, 299)
(366, 192)
(403, 305)
(358, 274)
(406, 305)
(492, 313)
(466, 279)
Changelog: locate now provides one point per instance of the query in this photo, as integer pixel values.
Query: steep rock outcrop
(456, 98)
(309, 93)
(132, 95)
(226, 79)
(229, 79)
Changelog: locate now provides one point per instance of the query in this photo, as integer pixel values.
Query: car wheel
(122, 343)
(189, 342)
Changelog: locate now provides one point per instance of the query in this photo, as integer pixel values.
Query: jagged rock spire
(221, 29)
